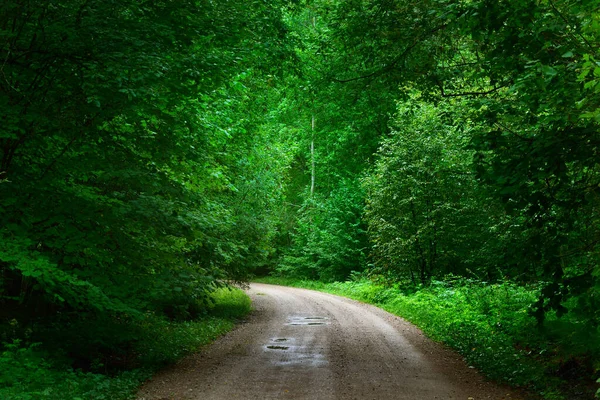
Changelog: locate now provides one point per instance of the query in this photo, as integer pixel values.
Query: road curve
(302, 344)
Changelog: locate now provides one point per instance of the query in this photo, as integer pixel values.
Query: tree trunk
(312, 158)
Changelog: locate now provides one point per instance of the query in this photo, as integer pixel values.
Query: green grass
(29, 372)
(490, 326)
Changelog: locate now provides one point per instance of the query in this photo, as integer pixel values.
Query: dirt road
(301, 344)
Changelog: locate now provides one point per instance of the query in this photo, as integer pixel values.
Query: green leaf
(548, 70)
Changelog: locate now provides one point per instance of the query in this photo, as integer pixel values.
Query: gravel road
(302, 344)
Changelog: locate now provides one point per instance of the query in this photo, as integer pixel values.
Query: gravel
(302, 344)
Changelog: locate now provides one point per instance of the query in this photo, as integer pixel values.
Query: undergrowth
(45, 371)
(491, 327)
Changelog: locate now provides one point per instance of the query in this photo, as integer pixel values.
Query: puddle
(293, 356)
(312, 321)
(310, 360)
(277, 347)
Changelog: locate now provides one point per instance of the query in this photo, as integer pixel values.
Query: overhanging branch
(395, 61)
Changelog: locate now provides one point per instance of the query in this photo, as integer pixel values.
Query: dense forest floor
(45, 372)
(489, 325)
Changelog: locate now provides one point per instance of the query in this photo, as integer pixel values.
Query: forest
(154, 155)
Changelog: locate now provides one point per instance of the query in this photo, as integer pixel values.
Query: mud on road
(302, 344)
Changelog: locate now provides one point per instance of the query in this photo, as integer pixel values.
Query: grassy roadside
(490, 326)
(32, 371)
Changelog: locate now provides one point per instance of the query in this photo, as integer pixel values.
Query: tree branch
(395, 61)
(561, 15)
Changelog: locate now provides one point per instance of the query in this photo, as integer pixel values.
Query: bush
(26, 374)
(46, 371)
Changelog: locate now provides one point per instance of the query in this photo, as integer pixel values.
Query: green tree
(131, 143)
(529, 67)
(427, 214)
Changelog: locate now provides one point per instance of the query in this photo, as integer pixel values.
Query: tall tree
(123, 153)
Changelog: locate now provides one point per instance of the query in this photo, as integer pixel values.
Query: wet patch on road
(301, 358)
(271, 347)
(280, 343)
(294, 356)
(299, 351)
(308, 321)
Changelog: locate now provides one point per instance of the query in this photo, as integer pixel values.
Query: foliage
(36, 371)
(526, 74)
(330, 239)
(425, 209)
(589, 73)
(137, 176)
(325, 235)
(27, 374)
(164, 342)
(123, 155)
(541, 160)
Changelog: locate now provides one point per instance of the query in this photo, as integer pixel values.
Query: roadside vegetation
(110, 360)
(132, 191)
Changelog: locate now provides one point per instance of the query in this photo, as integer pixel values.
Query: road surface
(302, 344)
